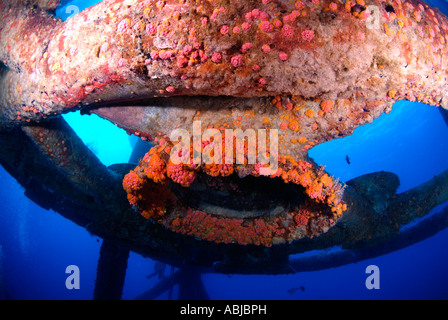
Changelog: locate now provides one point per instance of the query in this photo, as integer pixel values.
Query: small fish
(347, 159)
(294, 290)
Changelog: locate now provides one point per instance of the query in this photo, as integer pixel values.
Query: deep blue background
(411, 141)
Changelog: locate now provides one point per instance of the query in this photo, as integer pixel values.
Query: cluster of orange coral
(148, 191)
(149, 197)
(216, 170)
(132, 183)
(156, 168)
(223, 230)
(257, 231)
(318, 185)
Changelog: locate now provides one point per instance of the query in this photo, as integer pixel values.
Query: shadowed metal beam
(190, 284)
(412, 235)
(111, 271)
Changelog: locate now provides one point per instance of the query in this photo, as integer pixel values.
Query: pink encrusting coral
(283, 55)
(160, 30)
(216, 57)
(151, 29)
(237, 61)
(308, 35)
(288, 31)
(224, 29)
(123, 25)
(266, 48)
(246, 47)
(266, 26)
(180, 174)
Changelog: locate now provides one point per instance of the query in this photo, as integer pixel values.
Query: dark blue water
(411, 141)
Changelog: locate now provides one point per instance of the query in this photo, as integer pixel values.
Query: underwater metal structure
(312, 70)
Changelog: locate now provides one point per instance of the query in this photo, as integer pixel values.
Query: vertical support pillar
(191, 286)
(111, 271)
